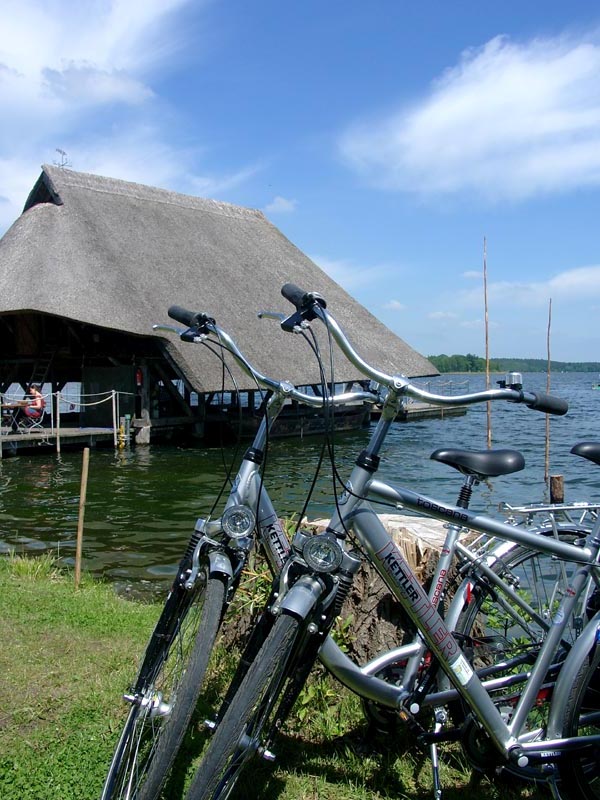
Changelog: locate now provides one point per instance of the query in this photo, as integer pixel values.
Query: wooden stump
(377, 621)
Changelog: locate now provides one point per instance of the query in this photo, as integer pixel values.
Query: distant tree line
(472, 363)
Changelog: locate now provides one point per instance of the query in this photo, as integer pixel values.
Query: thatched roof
(116, 254)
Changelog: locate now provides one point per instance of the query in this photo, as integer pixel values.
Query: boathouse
(93, 262)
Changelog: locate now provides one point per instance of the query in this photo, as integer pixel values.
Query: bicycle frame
(393, 568)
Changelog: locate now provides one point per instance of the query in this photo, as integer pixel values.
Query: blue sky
(386, 139)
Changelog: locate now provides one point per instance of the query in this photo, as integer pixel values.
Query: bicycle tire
(236, 739)
(498, 636)
(171, 684)
(580, 772)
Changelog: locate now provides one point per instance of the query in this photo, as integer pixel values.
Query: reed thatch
(115, 254)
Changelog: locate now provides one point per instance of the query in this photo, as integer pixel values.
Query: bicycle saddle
(589, 450)
(482, 463)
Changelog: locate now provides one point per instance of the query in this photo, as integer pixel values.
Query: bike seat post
(466, 490)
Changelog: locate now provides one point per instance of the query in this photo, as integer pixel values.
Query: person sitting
(32, 408)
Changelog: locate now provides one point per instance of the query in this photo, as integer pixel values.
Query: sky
(400, 145)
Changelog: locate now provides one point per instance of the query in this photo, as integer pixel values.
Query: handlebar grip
(294, 294)
(301, 299)
(548, 404)
(187, 318)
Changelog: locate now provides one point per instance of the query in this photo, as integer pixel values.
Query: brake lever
(168, 329)
(185, 334)
(295, 323)
(278, 315)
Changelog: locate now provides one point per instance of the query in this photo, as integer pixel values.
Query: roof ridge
(138, 191)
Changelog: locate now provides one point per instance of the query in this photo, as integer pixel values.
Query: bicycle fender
(219, 564)
(585, 643)
(302, 597)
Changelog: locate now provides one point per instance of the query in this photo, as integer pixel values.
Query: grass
(66, 658)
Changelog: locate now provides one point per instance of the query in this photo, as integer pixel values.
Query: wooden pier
(413, 412)
(12, 443)
(416, 411)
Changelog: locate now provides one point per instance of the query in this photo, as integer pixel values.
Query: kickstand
(435, 765)
(554, 791)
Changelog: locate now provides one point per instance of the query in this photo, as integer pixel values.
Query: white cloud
(394, 305)
(473, 275)
(352, 276)
(573, 285)
(85, 85)
(17, 177)
(63, 63)
(444, 315)
(280, 205)
(511, 120)
(216, 186)
(472, 324)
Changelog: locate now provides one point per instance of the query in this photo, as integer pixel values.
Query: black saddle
(589, 450)
(482, 464)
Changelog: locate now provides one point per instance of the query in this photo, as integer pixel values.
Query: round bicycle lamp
(323, 553)
(238, 521)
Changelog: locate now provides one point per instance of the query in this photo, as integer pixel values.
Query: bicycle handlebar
(199, 325)
(310, 305)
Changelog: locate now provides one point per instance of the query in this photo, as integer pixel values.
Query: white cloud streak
(571, 286)
(511, 120)
(352, 276)
(281, 205)
(394, 305)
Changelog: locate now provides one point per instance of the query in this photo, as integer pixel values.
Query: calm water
(142, 504)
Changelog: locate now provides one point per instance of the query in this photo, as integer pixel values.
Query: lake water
(142, 503)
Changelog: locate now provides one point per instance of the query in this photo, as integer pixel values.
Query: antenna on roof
(64, 161)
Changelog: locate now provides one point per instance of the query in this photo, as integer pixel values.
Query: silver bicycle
(173, 669)
(501, 728)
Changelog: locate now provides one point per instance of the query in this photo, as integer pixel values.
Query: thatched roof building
(93, 262)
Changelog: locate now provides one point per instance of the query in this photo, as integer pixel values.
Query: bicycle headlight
(322, 552)
(238, 521)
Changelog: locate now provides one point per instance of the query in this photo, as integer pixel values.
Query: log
(376, 622)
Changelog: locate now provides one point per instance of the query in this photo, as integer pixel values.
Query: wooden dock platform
(416, 411)
(12, 443)
(412, 412)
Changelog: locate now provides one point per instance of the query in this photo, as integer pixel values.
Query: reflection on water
(142, 503)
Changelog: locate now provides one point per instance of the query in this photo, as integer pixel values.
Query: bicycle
(173, 668)
(306, 600)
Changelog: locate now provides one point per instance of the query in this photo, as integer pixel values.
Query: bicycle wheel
(580, 772)
(237, 737)
(501, 637)
(168, 687)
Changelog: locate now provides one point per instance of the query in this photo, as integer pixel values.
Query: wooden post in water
(115, 419)
(487, 344)
(557, 489)
(58, 422)
(548, 384)
(82, 497)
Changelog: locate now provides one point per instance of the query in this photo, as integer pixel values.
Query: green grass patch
(67, 657)
(65, 660)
